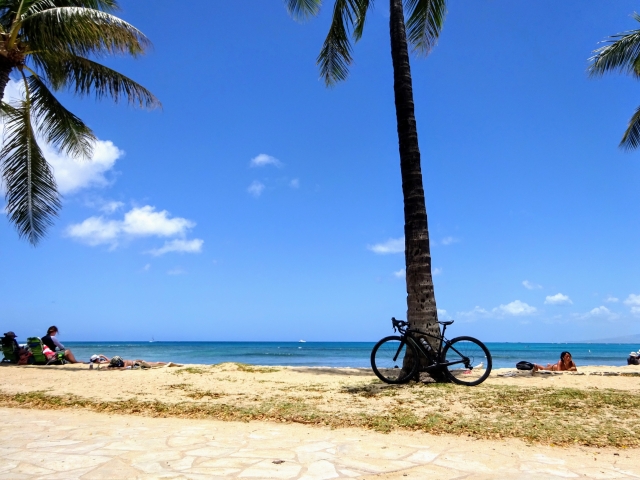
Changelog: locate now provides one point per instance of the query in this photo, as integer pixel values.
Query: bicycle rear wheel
(471, 361)
(388, 360)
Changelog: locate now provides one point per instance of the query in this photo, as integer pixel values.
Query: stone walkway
(66, 444)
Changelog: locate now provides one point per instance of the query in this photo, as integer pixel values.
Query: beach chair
(9, 350)
(35, 346)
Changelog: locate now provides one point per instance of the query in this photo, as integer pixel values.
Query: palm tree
(622, 54)
(425, 20)
(51, 45)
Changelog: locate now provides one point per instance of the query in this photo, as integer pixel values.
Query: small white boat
(302, 341)
(152, 340)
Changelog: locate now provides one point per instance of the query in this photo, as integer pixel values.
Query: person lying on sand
(53, 343)
(119, 363)
(564, 365)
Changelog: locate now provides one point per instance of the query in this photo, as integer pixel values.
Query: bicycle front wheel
(470, 361)
(388, 360)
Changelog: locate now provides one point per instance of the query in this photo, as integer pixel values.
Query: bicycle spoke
(469, 363)
(388, 360)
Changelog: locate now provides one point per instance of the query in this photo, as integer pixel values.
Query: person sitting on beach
(120, 363)
(564, 365)
(53, 343)
(634, 358)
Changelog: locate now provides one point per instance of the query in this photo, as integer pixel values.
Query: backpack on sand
(116, 362)
(524, 365)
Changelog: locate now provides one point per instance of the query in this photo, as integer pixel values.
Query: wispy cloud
(176, 271)
(295, 183)
(611, 299)
(138, 222)
(393, 245)
(179, 246)
(111, 207)
(400, 273)
(256, 188)
(558, 299)
(530, 285)
(436, 271)
(601, 312)
(264, 160)
(449, 240)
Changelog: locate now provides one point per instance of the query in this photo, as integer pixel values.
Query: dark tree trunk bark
(5, 69)
(421, 301)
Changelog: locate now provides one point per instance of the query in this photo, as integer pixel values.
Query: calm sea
(336, 354)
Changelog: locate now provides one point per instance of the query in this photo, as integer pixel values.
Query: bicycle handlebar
(399, 325)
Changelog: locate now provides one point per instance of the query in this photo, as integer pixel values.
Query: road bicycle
(397, 359)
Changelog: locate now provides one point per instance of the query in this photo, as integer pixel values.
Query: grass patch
(558, 416)
(245, 367)
(192, 370)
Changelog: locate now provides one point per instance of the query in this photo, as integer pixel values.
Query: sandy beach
(234, 421)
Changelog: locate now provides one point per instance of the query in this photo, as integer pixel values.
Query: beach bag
(524, 365)
(116, 362)
(47, 352)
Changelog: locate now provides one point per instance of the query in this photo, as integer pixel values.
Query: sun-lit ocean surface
(336, 354)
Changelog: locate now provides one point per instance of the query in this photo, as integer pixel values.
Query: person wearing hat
(10, 340)
(634, 358)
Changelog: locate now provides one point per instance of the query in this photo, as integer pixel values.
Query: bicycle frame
(407, 337)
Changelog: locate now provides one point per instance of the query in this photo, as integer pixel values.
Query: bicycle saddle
(445, 323)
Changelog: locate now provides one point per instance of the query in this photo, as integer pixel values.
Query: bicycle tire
(385, 367)
(476, 351)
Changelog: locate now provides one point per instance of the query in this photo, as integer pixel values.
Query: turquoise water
(336, 354)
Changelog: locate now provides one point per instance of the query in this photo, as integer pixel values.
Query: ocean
(336, 354)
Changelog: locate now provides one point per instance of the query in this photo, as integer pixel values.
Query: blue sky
(260, 205)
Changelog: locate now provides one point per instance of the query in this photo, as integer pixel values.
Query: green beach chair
(9, 350)
(35, 346)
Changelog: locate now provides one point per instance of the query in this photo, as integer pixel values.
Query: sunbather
(634, 358)
(120, 363)
(53, 343)
(564, 365)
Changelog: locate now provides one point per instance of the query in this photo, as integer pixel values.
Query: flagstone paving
(67, 444)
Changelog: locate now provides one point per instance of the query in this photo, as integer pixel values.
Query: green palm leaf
(84, 77)
(32, 196)
(631, 138)
(335, 56)
(303, 9)
(426, 18)
(81, 31)
(56, 124)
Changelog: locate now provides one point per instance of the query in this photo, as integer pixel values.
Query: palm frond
(335, 56)
(32, 195)
(56, 124)
(84, 77)
(81, 31)
(426, 18)
(622, 54)
(631, 138)
(361, 9)
(104, 5)
(301, 10)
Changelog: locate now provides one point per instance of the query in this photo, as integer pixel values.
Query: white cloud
(111, 207)
(181, 246)
(611, 299)
(530, 285)
(477, 311)
(176, 271)
(515, 308)
(147, 267)
(138, 222)
(558, 299)
(449, 240)
(295, 183)
(633, 301)
(393, 245)
(400, 273)
(264, 160)
(256, 188)
(599, 312)
(436, 271)
(73, 174)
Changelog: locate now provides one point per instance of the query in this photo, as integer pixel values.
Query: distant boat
(302, 341)
(152, 340)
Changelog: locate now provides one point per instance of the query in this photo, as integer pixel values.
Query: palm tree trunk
(5, 69)
(421, 301)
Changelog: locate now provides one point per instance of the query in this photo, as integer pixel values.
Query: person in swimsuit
(54, 344)
(101, 359)
(564, 365)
